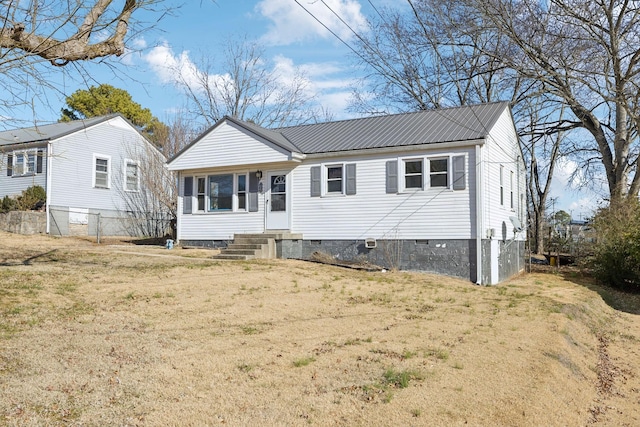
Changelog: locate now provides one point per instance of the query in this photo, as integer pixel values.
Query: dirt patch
(123, 334)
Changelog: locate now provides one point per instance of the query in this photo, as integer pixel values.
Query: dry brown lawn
(118, 334)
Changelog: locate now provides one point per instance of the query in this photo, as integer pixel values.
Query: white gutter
(48, 186)
(479, 204)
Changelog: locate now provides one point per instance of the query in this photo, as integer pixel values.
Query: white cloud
(171, 67)
(291, 23)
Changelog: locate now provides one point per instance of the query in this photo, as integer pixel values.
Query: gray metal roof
(458, 124)
(48, 132)
(465, 123)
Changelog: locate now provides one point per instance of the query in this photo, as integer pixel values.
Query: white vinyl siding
(374, 213)
(73, 165)
(229, 146)
(502, 158)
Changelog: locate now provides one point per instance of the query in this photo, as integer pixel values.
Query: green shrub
(616, 252)
(8, 204)
(31, 197)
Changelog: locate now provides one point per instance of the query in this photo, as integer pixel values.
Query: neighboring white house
(90, 170)
(440, 191)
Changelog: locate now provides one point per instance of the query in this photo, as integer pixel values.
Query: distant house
(440, 191)
(90, 170)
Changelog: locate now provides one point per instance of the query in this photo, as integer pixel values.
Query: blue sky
(292, 38)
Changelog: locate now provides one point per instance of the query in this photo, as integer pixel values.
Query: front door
(277, 201)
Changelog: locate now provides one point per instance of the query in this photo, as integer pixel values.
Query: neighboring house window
(220, 192)
(501, 185)
(27, 162)
(439, 172)
(201, 184)
(334, 179)
(132, 178)
(102, 171)
(413, 173)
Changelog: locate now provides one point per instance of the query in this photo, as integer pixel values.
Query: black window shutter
(39, 161)
(9, 164)
(187, 200)
(315, 181)
(459, 177)
(253, 192)
(392, 176)
(350, 169)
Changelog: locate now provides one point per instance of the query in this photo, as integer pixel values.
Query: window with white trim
(24, 162)
(242, 192)
(439, 172)
(512, 203)
(101, 171)
(501, 185)
(221, 193)
(413, 173)
(132, 176)
(201, 195)
(335, 179)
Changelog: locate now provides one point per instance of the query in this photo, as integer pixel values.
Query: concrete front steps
(252, 246)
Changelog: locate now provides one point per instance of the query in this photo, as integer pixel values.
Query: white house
(90, 170)
(440, 191)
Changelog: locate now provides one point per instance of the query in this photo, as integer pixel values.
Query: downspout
(47, 202)
(479, 204)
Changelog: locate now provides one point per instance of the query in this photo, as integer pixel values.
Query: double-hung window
(334, 179)
(27, 162)
(242, 192)
(131, 178)
(201, 195)
(439, 172)
(413, 173)
(512, 203)
(101, 171)
(501, 185)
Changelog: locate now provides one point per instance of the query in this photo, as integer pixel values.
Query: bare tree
(423, 60)
(585, 54)
(541, 150)
(242, 86)
(41, 39)
(152, 209)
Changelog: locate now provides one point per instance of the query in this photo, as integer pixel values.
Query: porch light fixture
(258, 174)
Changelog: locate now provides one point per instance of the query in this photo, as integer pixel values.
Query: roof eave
(400, 149)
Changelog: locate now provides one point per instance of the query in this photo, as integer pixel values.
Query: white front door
(277, 201)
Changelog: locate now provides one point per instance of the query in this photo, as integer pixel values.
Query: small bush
(616, 253)
(8, 204)
(31, 198)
